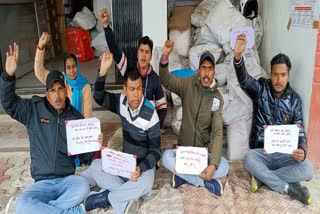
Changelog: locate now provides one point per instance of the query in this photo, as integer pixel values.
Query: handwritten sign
(191, 160)
(118, 163)
(82, 135)
(248, 31)
(282, 138)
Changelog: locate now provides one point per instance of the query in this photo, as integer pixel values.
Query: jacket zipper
(55, 147)
(195, 122)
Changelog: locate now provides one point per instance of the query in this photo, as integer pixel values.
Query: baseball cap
(207, 56)
(54, 76)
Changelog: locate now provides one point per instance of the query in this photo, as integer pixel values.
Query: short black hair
(132, 74)
(146, 41)
(281, 59)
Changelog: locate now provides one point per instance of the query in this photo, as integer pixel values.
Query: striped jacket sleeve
(153, 133)
(109, 101)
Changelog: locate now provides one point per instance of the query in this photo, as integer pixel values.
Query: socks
(286, 187)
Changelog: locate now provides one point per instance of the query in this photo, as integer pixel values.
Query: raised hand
(106, 63)
(167, 49)
(12, 59)
(44, 40)
(104, 17)
(240, 46)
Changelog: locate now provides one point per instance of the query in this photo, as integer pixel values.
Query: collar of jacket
(147, 72)
(211, 89)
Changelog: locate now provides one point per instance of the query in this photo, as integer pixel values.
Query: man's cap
(207, 56)
(54, 76)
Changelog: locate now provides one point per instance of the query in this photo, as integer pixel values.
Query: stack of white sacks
(214, 20)
(89, 20)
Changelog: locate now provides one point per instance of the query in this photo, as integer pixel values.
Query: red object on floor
(79, 43)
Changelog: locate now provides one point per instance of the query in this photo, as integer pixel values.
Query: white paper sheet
(248, 31)
(303, 12)
(82, 135)
(191, 160)
(282, 138)
(118, 163)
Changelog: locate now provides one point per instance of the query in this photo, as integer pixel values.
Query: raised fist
(104, 17)
(44, 40)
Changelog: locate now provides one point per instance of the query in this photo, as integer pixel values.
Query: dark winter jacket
(268, 109)
(46, 130)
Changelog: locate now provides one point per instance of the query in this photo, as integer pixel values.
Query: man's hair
(281, 59)
(131, 74)
(146, 41)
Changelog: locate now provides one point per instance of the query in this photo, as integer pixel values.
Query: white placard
(281, 138)
(248, 31)
(118, 163)
(82, 135)
(191, 160)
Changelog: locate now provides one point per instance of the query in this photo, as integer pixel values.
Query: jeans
(169, 162)
(51, 196)
(122, 190)
(278, 169)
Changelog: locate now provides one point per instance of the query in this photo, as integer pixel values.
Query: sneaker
(255, 184)
(300, 193)
(177, 181)
(82, 209)
(97, 200)
(132, 207)
(214, 186)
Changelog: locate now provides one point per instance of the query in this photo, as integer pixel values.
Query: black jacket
(46, 130)
(268, 109)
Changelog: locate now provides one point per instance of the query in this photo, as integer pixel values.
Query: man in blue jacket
(56, 188)
(274, 103)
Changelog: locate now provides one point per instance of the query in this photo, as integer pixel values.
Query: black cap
(54, 76)
(207, 56)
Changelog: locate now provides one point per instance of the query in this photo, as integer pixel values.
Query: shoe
(214, 186)
(132, 207)
(255, 184)
(82, 208)
(300, 193)
(177, 181)
(97, 200)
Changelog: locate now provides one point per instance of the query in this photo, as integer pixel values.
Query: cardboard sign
(248, 31)
(82, 135)
(118, 163)
(281, 138)
(191, 160)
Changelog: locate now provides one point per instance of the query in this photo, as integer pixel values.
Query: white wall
(154, 20)
(298, 43)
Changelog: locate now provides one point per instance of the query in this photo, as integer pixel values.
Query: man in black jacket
(56, 188)
(274, 103)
